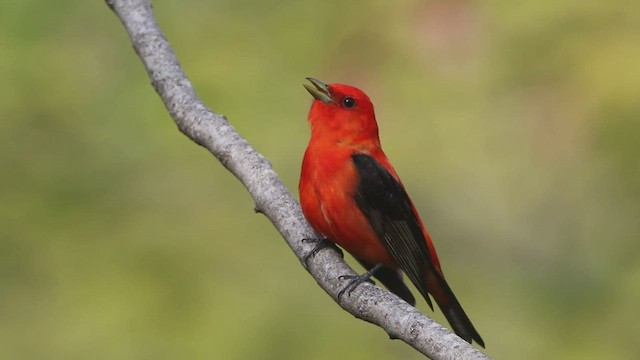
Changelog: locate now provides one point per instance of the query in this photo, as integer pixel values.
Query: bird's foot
(355, 280)
(321, 243)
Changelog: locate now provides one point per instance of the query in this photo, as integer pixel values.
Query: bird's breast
(327, 195)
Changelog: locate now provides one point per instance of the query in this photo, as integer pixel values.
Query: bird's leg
(355, 280)
(321, 243)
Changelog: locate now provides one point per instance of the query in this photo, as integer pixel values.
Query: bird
(351, 196)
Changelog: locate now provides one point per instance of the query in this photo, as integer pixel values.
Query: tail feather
(437, 286)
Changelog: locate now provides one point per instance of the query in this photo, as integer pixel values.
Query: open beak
(319, 90)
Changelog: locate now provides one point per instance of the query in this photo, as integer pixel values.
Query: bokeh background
(515, 126)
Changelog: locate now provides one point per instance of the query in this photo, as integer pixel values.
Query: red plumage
(350, 193)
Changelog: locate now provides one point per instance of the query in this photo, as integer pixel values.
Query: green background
(514, 125)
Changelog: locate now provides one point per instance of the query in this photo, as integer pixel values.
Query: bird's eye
(348, 102)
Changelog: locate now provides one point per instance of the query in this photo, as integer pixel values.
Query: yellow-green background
(515, 126)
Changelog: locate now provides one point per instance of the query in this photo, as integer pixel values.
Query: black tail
(437, 286)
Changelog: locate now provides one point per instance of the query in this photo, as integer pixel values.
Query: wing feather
(387, 207)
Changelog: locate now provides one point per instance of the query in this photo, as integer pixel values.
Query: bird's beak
(319, 90)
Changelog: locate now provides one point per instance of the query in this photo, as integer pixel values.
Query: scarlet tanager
(350, 194)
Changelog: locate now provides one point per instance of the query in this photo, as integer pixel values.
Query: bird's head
(341, 113)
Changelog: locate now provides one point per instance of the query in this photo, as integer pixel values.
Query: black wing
(386, 205)
(388, 209)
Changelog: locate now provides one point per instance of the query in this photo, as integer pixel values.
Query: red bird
(350, 193)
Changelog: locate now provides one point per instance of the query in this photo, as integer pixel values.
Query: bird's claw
(355, 280)
(321, 243)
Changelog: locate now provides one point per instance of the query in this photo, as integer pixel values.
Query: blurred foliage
(515, 126)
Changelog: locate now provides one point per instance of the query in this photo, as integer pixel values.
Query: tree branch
(212, 131)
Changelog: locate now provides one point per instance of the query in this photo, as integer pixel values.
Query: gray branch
(213, 131)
